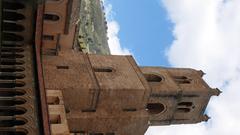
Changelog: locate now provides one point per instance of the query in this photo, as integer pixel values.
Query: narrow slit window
(130, 110)
(62, 67)
(89, 110)
(51, 17)
(184, 110)
(96, 134)
(103, 69)
(48, 37)
(185, 104)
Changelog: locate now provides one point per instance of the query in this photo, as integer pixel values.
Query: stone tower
(179, 96)
(112, 95)
(50, 84)
(107, 94)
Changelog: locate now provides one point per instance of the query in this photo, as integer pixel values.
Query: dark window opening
(13, 133)
(11, 62)
(11, 111)
(53, 100)
(155, 108)
(78, 132)
(55, 119)
(110, 134)
(11, 55)
(12, 69)
(12, 102)
(89, 110)
(153, 78)
(130, 110)
(11, 84)
(12, 37)
(11, 76)
(13, 5)
(183, 110)
(185, 104)
(13, 27)
(109, 70)
(12, 93)
(182, 79)
(62, 67)
(51, 17)
(12, 16)
(48, 37)
(67, 110)
(12, 123)
(96, 134)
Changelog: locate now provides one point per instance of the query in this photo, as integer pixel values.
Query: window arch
(155, 108)
(185, 107)
(153, 78)
(185, 104)
(182, 79)
(183, 110)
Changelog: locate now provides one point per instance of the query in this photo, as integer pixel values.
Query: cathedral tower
(179, 95)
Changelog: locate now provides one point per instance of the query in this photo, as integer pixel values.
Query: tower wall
(183, 93)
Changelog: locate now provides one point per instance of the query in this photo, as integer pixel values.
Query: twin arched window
(185, 107)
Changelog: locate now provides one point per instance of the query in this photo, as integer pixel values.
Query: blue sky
(199, 34)
(145, 29)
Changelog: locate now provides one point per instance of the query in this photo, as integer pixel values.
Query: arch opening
(153, 78)
(155, 108)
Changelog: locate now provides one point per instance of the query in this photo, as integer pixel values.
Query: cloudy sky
(200, 34)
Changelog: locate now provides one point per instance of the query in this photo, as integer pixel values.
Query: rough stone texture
(69, 72)
(184, 101)
(59, 27)
(122, 88)
(106, 94)
(111, 94)
(120, 123)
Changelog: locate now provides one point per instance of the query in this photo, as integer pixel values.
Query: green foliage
(93, 29)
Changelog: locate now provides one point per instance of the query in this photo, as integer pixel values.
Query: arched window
(185, 107)
(155, 108)
(183, 110)
(51, 17)
(152, 78)
(182, 79)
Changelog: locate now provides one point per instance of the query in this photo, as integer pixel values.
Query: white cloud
(113, 30)
(207, 37)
